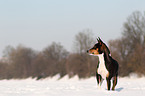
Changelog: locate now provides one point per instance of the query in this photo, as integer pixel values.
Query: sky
(38, 23)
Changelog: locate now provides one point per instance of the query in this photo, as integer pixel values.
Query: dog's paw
(99, 87)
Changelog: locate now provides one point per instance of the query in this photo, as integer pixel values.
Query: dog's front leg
(99, 80)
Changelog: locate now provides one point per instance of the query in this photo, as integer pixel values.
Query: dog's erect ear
(100, 41)
(97, 39)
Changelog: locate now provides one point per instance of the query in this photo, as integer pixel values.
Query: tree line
(23, 62)
(129, 50)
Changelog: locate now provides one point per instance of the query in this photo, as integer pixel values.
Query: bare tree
(21, 58)
(55, 51)
(83, 41)
(55, 56)
(134, 29)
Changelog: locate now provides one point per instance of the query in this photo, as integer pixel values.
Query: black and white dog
(107, 67)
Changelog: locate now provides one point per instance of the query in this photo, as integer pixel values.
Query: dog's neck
(101, 57)
(107, 57)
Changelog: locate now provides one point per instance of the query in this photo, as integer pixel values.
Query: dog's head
(99, 48)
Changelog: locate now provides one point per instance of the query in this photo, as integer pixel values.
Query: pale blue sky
(37, 23)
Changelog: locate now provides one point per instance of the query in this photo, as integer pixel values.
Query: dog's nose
(87, 51)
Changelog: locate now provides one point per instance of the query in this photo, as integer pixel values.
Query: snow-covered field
(128, 86)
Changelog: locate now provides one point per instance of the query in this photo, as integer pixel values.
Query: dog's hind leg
(114, 82)
(108, 83)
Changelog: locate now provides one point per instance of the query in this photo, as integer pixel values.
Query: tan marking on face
(94, 51)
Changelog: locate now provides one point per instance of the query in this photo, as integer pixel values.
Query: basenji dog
(107, 67)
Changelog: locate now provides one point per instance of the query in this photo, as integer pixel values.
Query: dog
(107, 67)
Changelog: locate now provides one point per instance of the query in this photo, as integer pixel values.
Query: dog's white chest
(102, 68)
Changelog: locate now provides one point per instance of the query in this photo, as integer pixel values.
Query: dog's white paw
(99, 87)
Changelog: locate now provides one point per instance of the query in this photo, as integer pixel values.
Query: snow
(127, 86)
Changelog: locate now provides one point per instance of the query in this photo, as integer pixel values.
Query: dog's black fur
(110, 64)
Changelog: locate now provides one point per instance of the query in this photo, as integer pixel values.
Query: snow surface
(128, 86)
